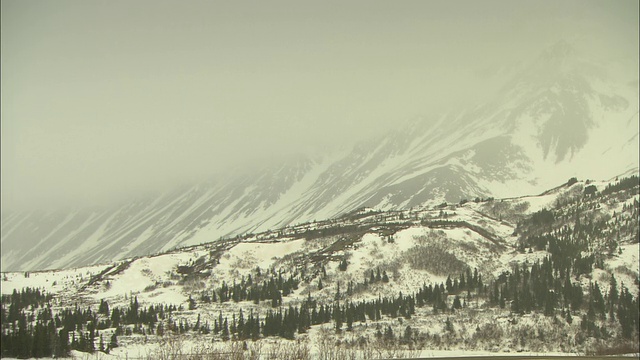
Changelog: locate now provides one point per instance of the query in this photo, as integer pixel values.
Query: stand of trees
(31, 330)
(28, 334)
(551, 286)
(273, 289)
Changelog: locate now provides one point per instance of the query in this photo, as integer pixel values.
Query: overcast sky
(102, 99)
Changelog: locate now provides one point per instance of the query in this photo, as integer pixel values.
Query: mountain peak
(551, 121)
(559, 51)
(557, 59)
(562, 46)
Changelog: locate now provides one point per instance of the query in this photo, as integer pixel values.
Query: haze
(102, 100)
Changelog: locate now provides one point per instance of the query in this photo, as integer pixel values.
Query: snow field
(65, 280)
(248, 256)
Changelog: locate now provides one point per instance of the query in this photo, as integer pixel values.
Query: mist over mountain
(560, 115)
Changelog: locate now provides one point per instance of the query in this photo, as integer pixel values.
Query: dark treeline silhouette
(575, 227)
(623, 184)
(31, 329)
(272, 289)
(286, 322)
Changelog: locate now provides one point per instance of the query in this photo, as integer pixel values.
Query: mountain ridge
(486, 275)
(548, 123)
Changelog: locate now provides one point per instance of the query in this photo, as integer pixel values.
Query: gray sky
(102, 99)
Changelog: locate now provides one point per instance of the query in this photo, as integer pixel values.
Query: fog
(106, 99)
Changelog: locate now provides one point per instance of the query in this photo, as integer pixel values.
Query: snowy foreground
(144, 353)
(553, 274)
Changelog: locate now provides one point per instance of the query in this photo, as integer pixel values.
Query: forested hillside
(556, 272)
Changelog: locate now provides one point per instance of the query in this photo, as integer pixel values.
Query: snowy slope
(562, 116)
(415, 247)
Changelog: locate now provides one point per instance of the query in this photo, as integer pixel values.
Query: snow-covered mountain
(532, 274)
(561, 116)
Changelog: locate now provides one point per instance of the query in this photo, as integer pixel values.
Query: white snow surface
(153, 279)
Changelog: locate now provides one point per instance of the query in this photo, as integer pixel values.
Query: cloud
(103, 100)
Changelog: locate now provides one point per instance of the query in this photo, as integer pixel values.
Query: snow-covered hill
(562, 116)
(587, 231)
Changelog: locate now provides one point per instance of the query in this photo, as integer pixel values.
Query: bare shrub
(330, 348)
(618, 348)
(505, 210)
(289, 350)
(173, 349)
(435, 259)
(488, 336)
(170, 348)
(193, 284)
(294, 350)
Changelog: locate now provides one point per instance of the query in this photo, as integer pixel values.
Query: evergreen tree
(225, 330)
(456, 303)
